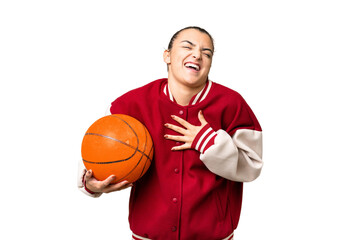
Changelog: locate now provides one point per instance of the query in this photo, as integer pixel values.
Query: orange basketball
(117, 144)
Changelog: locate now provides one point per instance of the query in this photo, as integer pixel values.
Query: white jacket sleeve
(80, 184)
(237, 158)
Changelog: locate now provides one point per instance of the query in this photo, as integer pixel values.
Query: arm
(237, 157)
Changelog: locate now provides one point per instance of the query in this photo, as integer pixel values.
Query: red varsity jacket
(187, 194)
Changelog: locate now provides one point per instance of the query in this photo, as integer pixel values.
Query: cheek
(177, 60)
(208, 65)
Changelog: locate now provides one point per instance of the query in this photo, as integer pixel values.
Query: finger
(88, 175)
(108, 181)
(182, 147)
(176, 128)
(117, 186)
(202, 118)
(176, 138)
(126, 186)
(184, 123)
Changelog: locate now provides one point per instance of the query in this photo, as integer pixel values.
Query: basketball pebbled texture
(117, 144)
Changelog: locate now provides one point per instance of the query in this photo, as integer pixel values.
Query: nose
(197, 54)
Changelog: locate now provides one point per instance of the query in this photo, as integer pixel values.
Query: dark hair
(190, 27)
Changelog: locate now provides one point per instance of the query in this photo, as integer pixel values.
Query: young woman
(207, 143)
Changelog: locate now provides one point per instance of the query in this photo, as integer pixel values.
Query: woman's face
(190, 58)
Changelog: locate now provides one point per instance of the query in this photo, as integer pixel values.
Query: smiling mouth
(192, 66)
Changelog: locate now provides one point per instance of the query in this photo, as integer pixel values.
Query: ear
(166, 56)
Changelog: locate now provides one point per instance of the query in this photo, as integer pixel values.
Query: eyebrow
(204, 49)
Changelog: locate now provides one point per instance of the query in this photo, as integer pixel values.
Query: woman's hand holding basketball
(189, 131)
(104, 186)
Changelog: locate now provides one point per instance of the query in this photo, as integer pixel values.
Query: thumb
(202, 118)
(88, 175)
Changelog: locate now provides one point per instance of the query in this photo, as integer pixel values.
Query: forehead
(194, 36)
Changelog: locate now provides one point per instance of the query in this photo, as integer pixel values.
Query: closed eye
(187, 47)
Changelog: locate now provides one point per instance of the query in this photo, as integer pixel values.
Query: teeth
(192, 66)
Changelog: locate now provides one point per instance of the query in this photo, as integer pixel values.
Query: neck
(183, 93)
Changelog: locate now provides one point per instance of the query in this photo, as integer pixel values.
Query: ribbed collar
(195, 99)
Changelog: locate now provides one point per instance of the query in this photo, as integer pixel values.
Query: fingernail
(172, 116)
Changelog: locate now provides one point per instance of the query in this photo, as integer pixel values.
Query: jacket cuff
(204, 139)
(84, 183)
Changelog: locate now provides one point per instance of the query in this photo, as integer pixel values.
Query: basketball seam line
(117, 140)
(137, 138)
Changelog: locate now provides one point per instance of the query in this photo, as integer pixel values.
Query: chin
(195, 82)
